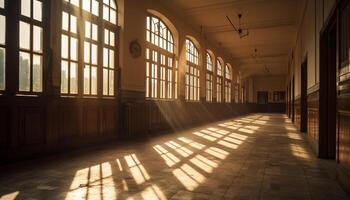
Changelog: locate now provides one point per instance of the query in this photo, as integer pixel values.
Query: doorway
(303, 98)
(263, 97)
(328, 90)
(293, 99)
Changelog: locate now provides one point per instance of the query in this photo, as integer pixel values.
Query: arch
(228, 71)
(210, 60)
(161, 63)
(192, 84)
(219, 66)
(169, 25)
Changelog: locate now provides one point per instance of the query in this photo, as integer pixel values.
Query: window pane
(37, 39)
(64, 77)
(24, 29)
(2, 68)
(73, 78)
(87, 29)
(93, 80)
(25, 8)
(37, 10)
(113, 17)
(106, 36)
(74, 49)
(37, 73)
(94, 32)
(106, 13)
(24, 71)
(64, 46)
(73, 24)
(94, 54)
(94, 7)
(2, 27)
(111, 59)
(65, 19)
(111, 82)
(2, 3)
(75, 2)
(87, 52)
(112, 36)
(105, 57)
(87, 79)
(87, 5)
(105, 81)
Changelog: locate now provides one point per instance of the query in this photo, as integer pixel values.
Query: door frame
(328, 87)
(303, 97)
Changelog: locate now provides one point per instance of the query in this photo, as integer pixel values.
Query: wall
(269, 84)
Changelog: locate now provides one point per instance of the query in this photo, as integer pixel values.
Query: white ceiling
(272, 25)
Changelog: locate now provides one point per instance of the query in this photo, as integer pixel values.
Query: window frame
(228, 83)
(192, 72)
(4, 12)
(82, 16)
(161, 63)
(219, 81)
(209, 77)
(32, 23)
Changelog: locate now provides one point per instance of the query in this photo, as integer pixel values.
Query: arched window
(2, 44)
(228, 78)
(31, 47)
(88, 44)
(237, 89)
(161, 65)
(209, 78)
(219, 80)
(192, 72)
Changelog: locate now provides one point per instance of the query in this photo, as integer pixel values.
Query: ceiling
(272, 28)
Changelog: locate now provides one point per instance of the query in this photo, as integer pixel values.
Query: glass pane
(111, 59)
(87, 5)
(112, 36)
(2, 3)
(65, 18)
(105, 81)
(2, 68)
(75, 2)
(73, 78)
(87, 29)
(64, 46)
(106, 36)
(73, 24)
(2, 27)
(73, 49)
(24, 71)
(105, 57)
(38, 39)
(94, 54)
(106, 13)
(64, 77)
(94, 7)
(113, 17)
(93, 80)
(37, 8)
(25, 8)
(94, 32)
(111, 82)
(87, 52)
(24, 35)
(37, 73)
(87, 79)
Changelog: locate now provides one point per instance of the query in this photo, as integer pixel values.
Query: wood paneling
(313, 118)
(297, 112)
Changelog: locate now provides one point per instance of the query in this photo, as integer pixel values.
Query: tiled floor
(258, 156)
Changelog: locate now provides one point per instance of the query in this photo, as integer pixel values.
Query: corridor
(258, 156)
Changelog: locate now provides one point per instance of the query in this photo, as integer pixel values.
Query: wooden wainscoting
(297, 112)
(313, 118)
(343, 118)
(33, 126)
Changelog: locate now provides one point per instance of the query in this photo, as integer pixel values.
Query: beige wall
(269, 84)
(133, 27)
(306, 46)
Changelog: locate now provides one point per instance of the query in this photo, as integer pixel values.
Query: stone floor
(260, 156)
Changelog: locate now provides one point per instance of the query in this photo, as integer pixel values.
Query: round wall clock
(135, 49)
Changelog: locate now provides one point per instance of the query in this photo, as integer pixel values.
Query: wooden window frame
(192, 72)
(209, 78)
